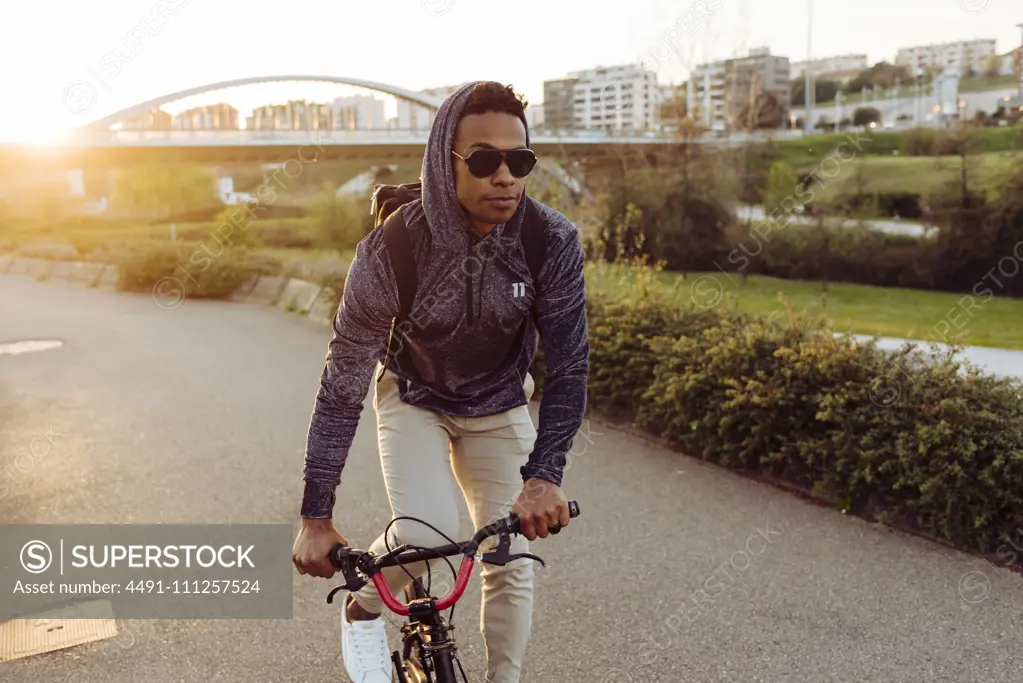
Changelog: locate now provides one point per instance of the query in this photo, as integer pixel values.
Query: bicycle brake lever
(501, 555)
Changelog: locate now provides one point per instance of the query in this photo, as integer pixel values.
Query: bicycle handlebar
(353, 562)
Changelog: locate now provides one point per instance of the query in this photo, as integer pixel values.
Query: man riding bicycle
(452, 397)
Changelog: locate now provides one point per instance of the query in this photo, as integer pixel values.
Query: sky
(64, 63)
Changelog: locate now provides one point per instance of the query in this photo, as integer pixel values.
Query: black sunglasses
(483, 163)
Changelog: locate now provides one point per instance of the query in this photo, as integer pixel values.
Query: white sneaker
(364, 649)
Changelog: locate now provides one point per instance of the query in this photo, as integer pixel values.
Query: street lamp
(807, 125)
(1020, 61)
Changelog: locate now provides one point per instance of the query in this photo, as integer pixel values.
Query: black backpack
(386, 201)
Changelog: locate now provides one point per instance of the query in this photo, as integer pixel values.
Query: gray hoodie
(472, 338)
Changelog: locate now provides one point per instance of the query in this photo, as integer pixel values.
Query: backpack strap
(534, 244)
(533, 239)
(403, 263)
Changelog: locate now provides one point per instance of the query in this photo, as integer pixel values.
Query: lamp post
(919, 95)
(1020, 61)
(807, 125)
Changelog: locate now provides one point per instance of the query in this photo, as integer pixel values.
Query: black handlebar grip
(335, 556)
(573, 512)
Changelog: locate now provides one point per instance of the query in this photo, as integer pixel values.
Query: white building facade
(961, 56)
(615, 99)
(717, 92)
(840, 64)
(411, 116)
(358, 112)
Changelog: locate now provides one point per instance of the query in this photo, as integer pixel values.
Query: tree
(341, 221)
(674, 109)
(763, 112)
(992, 66)
(824, 91)
(672, 211)
(882, 75)
(781, 183)
(864, 116)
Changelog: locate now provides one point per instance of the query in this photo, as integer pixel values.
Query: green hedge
(916, 441)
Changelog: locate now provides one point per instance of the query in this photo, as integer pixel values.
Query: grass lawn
(861, 309)
(920, 175)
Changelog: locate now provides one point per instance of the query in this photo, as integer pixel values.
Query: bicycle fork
(427, 651)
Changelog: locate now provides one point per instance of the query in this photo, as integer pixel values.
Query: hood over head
(447, 220)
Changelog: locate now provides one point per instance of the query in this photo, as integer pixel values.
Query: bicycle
(428, 652)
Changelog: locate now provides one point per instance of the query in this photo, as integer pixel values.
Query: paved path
(756, 212)
(198, 415)
(999, 362)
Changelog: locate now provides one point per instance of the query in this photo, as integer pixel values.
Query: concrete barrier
(88, 273)
(320, 303)
(325, 307)
(268, 290)
(244, 289)
(19, 266)
(77, 271)
(108, 278)
(40, 268)
(62, 271)
(298, 295)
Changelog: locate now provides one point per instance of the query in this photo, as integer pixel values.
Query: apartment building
(358, 112)
(207, 117)
(1010, 63)
(962, 56)
(718, 91)
(294, 115)
(156, 119)
(837, 68)
(411, 116)
(536, 115)
(614, 99)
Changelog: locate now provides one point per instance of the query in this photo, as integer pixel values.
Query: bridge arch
(429, 101)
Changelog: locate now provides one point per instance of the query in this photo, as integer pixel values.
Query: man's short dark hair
(493, 96)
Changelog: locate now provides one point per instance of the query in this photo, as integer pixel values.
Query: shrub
(781, 184)
(906, 204)
(341, 220)
(864, 116)
(919, 142)
(283, 236)
(235, 227)
(911, 438)
(197, 272)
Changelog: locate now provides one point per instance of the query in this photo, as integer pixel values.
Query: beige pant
(423, 455)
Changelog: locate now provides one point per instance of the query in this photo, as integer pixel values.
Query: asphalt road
(676, 571)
